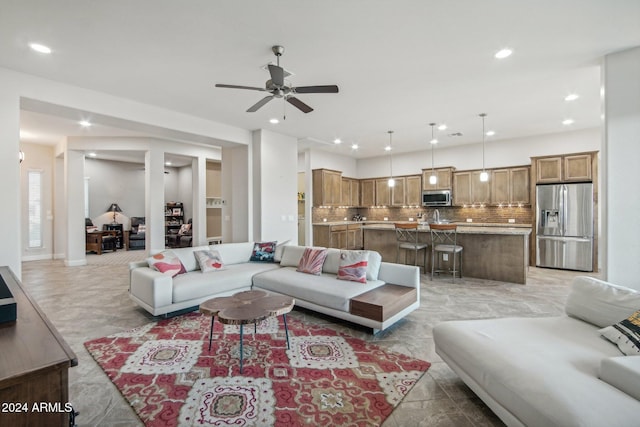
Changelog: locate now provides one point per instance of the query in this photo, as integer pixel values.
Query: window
(35, 208)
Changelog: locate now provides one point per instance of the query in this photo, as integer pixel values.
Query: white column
(74, 202)
(621, 156)
(199, 178)
(10, 177)
(154, 200)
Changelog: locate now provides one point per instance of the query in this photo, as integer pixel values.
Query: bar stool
(407, 238)
(444, 240)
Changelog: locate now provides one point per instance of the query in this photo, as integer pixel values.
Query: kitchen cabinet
(383, 192)
(340, 236)
(510, 186)
(469, 190)
(443, 179)
(398, 192)
(350, 192)
(565, 168)
(413, 190)
(367, 192)
(327, 187)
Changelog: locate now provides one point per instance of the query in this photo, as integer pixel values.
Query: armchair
(182, 238)
(96, 240)
(136, 238)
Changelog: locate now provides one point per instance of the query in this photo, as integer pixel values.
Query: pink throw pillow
(312, 260)
(166, 262)
(353, 266)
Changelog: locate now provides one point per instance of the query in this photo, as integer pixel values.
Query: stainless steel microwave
(436, 198)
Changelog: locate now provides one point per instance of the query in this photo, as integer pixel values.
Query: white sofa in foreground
(161, 294)
(555, 371)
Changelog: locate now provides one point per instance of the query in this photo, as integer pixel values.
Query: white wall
(237, 185)
(621, 159)
(185, 190)
(512, 152)
(323, 159)
(275, 186)
(115, 182)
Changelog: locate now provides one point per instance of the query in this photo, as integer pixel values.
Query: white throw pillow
(353, 266)
(209, 260)
(625, 334)
(600, 303)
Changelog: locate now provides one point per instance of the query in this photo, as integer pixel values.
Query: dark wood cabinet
(34, 364)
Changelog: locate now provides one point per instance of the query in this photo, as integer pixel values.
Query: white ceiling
(399, 65)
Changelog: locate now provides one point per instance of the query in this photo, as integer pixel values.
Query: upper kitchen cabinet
(367, 192)
(413, 190)
(398, 191)
(510, 186)
(327, 187)
(566, 168)
(443, 179)
(469, 190)
(383, 192)
(350, 192)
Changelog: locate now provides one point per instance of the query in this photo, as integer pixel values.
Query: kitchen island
(491, 251)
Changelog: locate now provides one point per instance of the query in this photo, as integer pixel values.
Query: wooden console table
(34, 364)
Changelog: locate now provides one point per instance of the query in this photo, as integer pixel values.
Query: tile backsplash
(487, 214)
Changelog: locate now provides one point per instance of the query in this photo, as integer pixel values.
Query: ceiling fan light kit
(277, 87)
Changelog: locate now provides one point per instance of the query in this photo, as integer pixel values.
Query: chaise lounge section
(361, 303)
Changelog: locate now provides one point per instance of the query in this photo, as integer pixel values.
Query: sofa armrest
(137, 264)
(400, 274)
(623, 373)
(151, 286)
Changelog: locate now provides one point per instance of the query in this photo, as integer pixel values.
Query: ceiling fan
(279, 88)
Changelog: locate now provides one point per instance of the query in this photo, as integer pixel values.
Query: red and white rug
(169, 377)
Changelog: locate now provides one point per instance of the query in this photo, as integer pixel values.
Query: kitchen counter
(492, 252)
(420, 223)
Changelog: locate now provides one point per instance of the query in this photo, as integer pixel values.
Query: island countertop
(490, 252)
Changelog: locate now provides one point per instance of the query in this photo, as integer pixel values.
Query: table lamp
(114, 208)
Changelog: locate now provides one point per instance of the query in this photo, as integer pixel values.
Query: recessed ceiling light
(354, 146)
(167, 163)
(442, 127)
(567, 122)
(274, 121)
(571, 97)
(387, 148)
(433, 141)
(84, 123)
(40, 48)
(337, 141)
(92, 154)
(25, 134)
(491, 132)
(504, 53)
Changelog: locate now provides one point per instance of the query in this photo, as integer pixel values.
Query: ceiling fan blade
(316, 89)
(299, 104)
(277, 75)
(241, 87)
(255, 107)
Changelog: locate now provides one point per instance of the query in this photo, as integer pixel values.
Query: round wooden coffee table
(247, 307)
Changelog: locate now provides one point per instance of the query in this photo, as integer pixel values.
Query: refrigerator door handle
(563, 210)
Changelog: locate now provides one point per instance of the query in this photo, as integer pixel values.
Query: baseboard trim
(37, 257)
(75, 262)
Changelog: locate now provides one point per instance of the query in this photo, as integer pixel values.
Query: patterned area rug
(170, 378)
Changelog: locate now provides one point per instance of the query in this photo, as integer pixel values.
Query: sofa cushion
(234, 253)
(324, 289)
(353, 266)
(209, 260)
(291, 255)
(263, 252)
(332, 263)
(197, 285)
(166, 262)
(625, 334)
(600, 303)
(544, 371)
(311, 261)
(186, 257)
(623, 373)
(277, 256)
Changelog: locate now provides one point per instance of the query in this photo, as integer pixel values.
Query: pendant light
(484, 176)
(392, 182)
(433, 179)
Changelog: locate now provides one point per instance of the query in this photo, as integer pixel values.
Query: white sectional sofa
(161, 294)
(555, 371)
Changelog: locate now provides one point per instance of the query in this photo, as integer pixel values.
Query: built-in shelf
(215, 202)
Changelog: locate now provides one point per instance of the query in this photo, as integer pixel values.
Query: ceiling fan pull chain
(284, 108)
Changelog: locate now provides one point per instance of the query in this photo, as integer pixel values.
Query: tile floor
(92, 301)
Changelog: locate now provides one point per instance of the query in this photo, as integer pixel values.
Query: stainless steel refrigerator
(565, 226)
